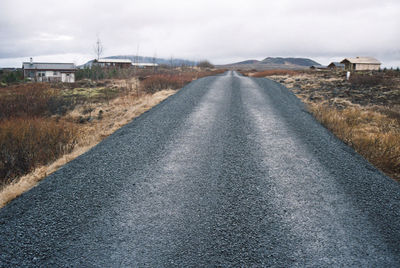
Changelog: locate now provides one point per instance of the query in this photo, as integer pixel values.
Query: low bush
(28, 142)
(205, 64)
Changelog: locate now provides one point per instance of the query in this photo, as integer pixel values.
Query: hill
(272, 63)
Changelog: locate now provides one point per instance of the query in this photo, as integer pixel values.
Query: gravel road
(230, 171)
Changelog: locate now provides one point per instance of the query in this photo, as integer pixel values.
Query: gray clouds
(221, 31)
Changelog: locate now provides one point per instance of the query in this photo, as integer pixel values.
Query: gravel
(230, 171)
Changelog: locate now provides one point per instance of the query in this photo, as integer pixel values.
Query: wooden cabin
(361, 64)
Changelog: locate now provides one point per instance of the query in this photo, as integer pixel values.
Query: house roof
(114, 61)
(48, 66)
(336, 64)
(365, 60)
(144, 64)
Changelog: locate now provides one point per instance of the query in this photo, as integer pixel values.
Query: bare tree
(154, 60)
(98, 51)
(137, 55)
(171, 62)
(98, 48)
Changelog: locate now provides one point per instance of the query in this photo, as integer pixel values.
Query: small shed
(116, 63)
(361, 64)
(336, 65)
(49, 72)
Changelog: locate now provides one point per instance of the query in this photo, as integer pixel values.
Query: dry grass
(275, 72)
(372, 134)
(114, 115)
(28, 142)
(174, 81)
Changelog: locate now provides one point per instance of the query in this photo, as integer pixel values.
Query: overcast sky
(220, 31)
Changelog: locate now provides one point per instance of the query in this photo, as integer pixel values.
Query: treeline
(9, 77)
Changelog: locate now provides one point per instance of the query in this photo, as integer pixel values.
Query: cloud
(220, 31)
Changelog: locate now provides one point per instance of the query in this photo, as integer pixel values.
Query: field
(363, 112)
(43, 126)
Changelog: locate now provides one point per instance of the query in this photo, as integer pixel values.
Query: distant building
(144, 65)
(361, 64)
(336, 65)
(49, 72)
(318, 67)
(117, 63)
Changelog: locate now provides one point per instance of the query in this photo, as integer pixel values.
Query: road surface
(230, 171)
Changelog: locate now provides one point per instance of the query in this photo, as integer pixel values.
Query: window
(55, 73)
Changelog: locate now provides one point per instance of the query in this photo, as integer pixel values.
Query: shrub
(205, 64)
(26, 143)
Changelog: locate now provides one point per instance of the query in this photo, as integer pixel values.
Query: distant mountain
(142, 59)
(273, 63)
(248, 62)
(293, 61)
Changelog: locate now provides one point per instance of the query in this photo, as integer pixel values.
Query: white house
(49, 72)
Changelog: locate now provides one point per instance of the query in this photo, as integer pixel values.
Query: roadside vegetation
(363, 112)
(44, 125)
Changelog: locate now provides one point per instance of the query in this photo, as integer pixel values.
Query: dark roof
(48, 66)
(336, 64)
